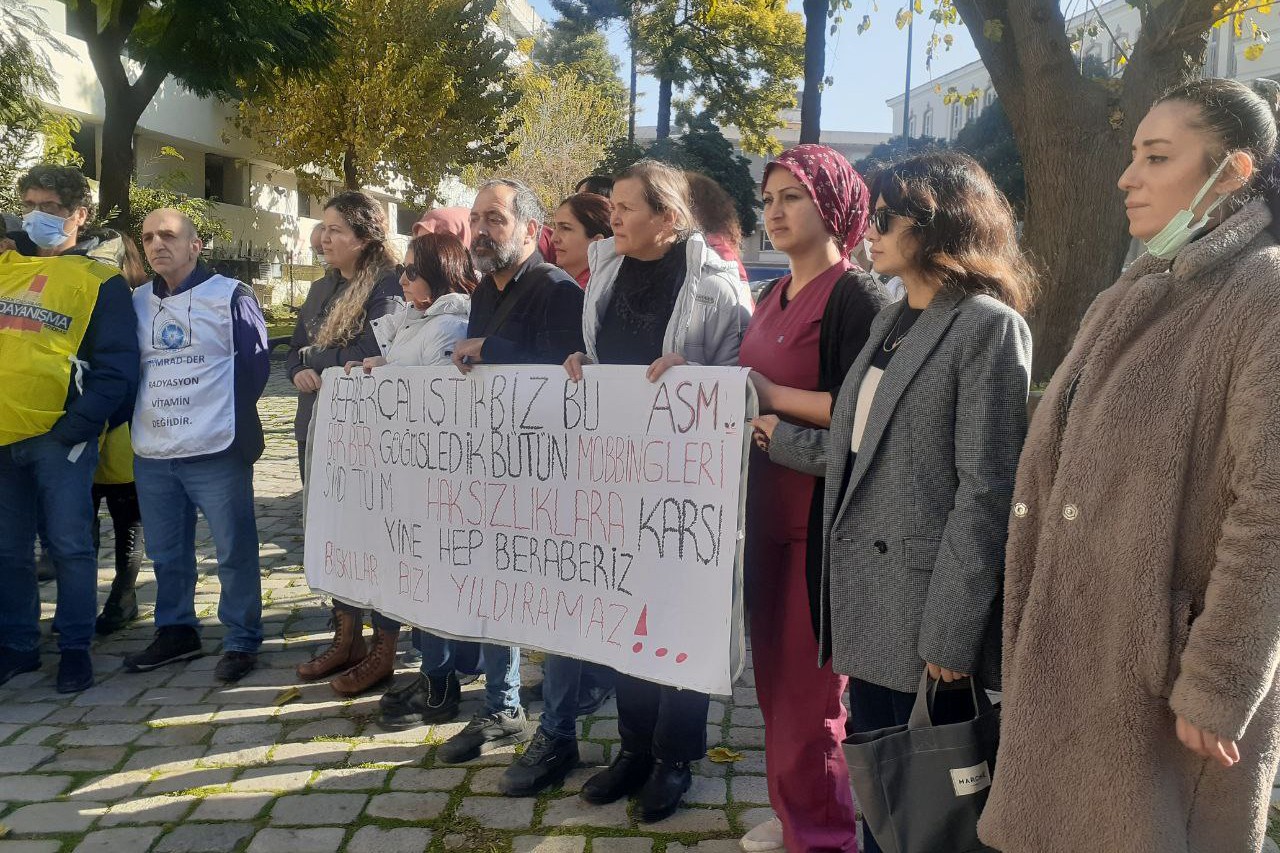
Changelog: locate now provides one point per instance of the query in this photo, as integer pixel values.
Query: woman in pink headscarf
(807, 329)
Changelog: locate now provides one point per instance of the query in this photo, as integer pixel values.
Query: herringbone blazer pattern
(914, 544)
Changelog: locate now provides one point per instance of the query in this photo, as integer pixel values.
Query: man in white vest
(196, 435)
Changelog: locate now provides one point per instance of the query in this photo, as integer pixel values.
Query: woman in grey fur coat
(1142, 579)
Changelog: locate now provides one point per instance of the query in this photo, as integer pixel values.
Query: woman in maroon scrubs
(807, 329)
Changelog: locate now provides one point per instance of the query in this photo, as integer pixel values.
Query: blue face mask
(45, 230)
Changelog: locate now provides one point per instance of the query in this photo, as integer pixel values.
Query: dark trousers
(874, 707)
(126, 519)
(668, 723)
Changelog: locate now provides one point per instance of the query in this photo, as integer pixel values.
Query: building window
(215, 176)
(912, 125)
(970, 112)
(989, 98)
(1211, 53)
(926, 128)
(765, 245)
(1230, 37)
(304, 204)
(955, 119)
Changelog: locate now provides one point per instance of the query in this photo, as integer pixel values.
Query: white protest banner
(600, 520)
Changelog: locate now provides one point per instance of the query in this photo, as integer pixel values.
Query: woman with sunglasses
(920, 456)
(807, 329)
(437, 280)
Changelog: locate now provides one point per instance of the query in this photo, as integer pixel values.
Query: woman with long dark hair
(1142, 604)
(335, 326)
(807, 329)
(920, 456)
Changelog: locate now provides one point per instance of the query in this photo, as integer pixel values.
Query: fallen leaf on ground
(723, 755)
(286, 696)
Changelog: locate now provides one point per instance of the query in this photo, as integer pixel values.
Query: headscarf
(835, 186)
(446, 220)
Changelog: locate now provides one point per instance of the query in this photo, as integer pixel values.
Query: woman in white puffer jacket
(437, 280)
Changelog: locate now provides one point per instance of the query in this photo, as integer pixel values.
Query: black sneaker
(546, 761)
(235, 666)
(14, 662)
(75, 671)
(485, 733)
(424, 701)
(173, 643)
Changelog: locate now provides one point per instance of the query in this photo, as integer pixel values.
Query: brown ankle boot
(346, 650)
(377, 666)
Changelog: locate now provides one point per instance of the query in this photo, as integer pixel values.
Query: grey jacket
(914, 544)
(711, 312)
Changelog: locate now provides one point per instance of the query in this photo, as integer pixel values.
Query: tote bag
(921, 787)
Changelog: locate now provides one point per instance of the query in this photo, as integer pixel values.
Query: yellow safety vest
(115, 456)
(45, 305)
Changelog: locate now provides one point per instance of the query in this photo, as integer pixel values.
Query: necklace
(890, 347)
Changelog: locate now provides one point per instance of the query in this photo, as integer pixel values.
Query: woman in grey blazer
(920, 457)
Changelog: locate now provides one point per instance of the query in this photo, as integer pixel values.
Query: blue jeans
(169, 493)
(36, 472)
(561, 678)
(501, 669)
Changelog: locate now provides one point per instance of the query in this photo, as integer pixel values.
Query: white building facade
(1105, 35)
(270, 219)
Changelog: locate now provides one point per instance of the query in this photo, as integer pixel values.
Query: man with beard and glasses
(524, 311)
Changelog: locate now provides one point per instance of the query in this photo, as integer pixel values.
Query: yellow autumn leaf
(284, 697)
(1264, 8)
(919, 7)
(534, 657)
(903, 18)
(723, 755)
(4, 830)
(948, 40)
(993, 30)
(1253, 51)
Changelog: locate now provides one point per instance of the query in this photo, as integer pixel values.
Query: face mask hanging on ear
(1181, 229)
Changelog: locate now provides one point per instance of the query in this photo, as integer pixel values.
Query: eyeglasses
(882, 219)
(52, 208)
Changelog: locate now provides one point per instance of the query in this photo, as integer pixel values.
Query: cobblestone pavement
(173, 762)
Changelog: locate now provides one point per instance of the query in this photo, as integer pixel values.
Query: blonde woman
(659, 296)
(335, 327)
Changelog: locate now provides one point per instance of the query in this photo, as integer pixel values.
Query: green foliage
(887, 152)
(419, 88)
(700, 148)
(565, 123)
(575, 41)
(989, 140)
(25, 77)
(161, 192)
(217, 47)
(740, 59)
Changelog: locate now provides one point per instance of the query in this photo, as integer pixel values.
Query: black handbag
(921, 787)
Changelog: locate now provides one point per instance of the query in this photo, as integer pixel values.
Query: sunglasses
(410, 271)
(882, 219)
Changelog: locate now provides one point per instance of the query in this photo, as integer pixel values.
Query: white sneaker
(766, 836)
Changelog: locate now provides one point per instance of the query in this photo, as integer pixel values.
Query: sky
(868, 69)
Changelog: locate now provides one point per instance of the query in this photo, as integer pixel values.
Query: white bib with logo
(186, 390)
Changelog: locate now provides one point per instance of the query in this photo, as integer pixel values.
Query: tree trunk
(664, 107)
(117, 166)
(631, 94)
(1075, 230)
(123, 103)
(815, 55)
(350, 177)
